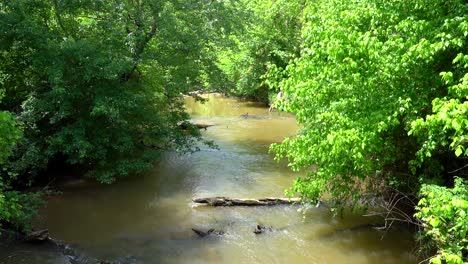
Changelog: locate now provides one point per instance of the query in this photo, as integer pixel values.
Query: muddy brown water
(149, 219)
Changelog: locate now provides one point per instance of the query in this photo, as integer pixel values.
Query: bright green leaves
(336, 94)
(447, 127)
(19, 208)
(9, 134)
(11, 203)
(308, 188)
(380, 89)
(448, 124)
(447, 77)
(444, 212)
(458, 151)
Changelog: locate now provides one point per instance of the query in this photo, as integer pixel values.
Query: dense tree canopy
(381, 91)
(95, 83)
(270, 39)
(98, 85)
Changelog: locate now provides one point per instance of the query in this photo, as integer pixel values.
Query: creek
(149, 219)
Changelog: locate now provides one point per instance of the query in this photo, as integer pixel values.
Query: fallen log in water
(186, 125)
(226, 201)
(202, 126)
(249, 116)
(39, 236)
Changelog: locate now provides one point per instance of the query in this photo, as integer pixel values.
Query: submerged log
(202, 126)
(359, 228)
(248, 116)
(202, 233)
(226, 201)
(186, 125)
(38, 236)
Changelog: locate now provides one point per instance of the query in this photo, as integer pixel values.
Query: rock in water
(259, 229)
(38, 236)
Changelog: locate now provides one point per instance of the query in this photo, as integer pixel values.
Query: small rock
(261, 228)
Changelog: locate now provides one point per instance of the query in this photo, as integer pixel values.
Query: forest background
(380, 89)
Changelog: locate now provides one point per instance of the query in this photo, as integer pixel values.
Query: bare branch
(459, 169)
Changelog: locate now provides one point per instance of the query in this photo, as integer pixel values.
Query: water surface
(149, 219)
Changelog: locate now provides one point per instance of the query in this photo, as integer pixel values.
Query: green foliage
(445, 214)
(271, 38)
(9, 134)
(15, 208)
(100, 84)
(361, 89)
(381, 91)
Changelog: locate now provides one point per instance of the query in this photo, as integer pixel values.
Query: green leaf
(436, 260)
(434, 222)
(458, 151)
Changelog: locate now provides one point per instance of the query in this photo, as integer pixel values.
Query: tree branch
(59, 18)
(139, 51)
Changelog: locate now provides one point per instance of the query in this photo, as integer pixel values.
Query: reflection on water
(149, 219)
